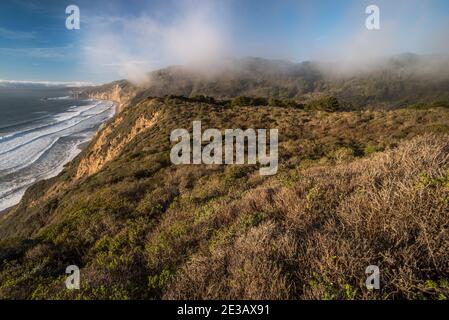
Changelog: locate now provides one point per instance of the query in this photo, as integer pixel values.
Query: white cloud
(406, 26)
(130, 47)
(196, 41)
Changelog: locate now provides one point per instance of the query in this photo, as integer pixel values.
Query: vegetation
(398, 82)
(324, 104)
(354, 188)
(425, 106)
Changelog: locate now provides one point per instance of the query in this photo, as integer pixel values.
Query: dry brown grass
(252, 267)
(317, 237)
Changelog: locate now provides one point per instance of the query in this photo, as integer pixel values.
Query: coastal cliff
(121, 93)
(355, 187)
(106, 148)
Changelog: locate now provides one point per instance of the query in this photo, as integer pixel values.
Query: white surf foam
(65, 116)
(60, 98)
(41, 154)
(62, 124)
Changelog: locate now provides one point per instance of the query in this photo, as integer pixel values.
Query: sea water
(41, 129)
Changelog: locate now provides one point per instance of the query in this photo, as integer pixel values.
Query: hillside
(393, 82)
(354, 188)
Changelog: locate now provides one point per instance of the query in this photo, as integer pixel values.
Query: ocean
(41, 129)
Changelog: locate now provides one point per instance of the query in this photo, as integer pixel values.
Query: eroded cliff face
(107, 147)
(116, 94)
(107, 144)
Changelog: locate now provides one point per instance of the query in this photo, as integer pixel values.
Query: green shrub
(330, 104)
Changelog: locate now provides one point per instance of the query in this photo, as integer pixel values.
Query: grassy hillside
(393, 82)
(354, 188)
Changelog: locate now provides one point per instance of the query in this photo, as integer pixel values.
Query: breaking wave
(40, 151)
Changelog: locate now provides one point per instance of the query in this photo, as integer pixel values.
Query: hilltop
(392, 82)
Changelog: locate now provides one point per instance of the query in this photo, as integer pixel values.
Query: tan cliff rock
(99, 154)
(117, 95)
(94, 161)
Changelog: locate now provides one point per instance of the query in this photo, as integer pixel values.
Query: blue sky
(121, 39)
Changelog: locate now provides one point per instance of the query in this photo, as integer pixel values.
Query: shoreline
(72, 154)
